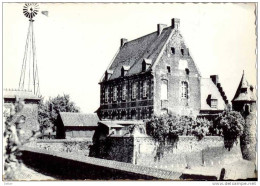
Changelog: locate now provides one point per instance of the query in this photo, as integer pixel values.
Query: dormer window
(182, 51)
(108, 74)
(146, 64)
(214, 103)
(124, 70)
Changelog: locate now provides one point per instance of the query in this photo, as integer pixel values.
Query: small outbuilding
(76, 125)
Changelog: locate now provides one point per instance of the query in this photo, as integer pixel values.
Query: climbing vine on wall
(166, 130)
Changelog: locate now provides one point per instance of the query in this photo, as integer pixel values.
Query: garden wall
(188, 151)
(79, 146)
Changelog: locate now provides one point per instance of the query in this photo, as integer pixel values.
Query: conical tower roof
(244, 91)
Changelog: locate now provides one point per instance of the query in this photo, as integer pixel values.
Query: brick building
(155, 74)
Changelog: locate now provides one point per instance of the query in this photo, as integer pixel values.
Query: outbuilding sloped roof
(244, 96)
(134, 52)
(78, 119)
(209, 88)
(23, 94)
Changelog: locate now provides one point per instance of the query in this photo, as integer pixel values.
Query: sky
(76, 42)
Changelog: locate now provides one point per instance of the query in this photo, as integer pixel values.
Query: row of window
(182, 51)
(164, 90)
(124, 91)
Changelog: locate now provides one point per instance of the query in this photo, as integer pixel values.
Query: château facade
(155, 74)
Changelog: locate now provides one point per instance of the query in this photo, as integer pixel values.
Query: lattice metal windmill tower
(29, 78)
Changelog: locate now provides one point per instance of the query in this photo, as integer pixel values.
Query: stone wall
(187, 152)
(59, 145)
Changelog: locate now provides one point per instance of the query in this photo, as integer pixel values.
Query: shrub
(166, 130)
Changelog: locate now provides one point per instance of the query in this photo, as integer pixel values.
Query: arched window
(184, 89)
(164, 90)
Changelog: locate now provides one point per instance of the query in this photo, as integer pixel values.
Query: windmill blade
(46, 13)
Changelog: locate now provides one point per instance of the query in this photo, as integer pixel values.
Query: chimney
(123, 42)
(214, 78)
(175, 23)
(160, 28)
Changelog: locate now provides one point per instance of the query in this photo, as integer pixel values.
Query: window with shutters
(184, 89)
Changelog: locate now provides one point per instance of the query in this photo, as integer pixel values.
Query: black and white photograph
(129, 92)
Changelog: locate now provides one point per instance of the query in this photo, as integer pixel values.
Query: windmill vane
(30, 10)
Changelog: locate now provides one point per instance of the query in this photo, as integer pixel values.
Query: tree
(231, 126)
(48, 111)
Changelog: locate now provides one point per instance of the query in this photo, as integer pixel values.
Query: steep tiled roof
(78, 119)
(133, 52)
(244, 96)
(24, 94)
(209, 88)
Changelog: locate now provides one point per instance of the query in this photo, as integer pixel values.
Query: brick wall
(80, 147)
(142, 106)
(30, 111)
(176, 104)
(188, 151)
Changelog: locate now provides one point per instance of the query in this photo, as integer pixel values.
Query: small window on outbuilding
(173, 50)
(169, 69)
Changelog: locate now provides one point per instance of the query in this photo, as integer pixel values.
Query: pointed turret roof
(244, 91)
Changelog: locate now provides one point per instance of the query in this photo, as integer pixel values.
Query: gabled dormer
(124, 70)
(146, 64)
(108, 74)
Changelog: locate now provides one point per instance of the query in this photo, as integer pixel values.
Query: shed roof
(78, 119)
